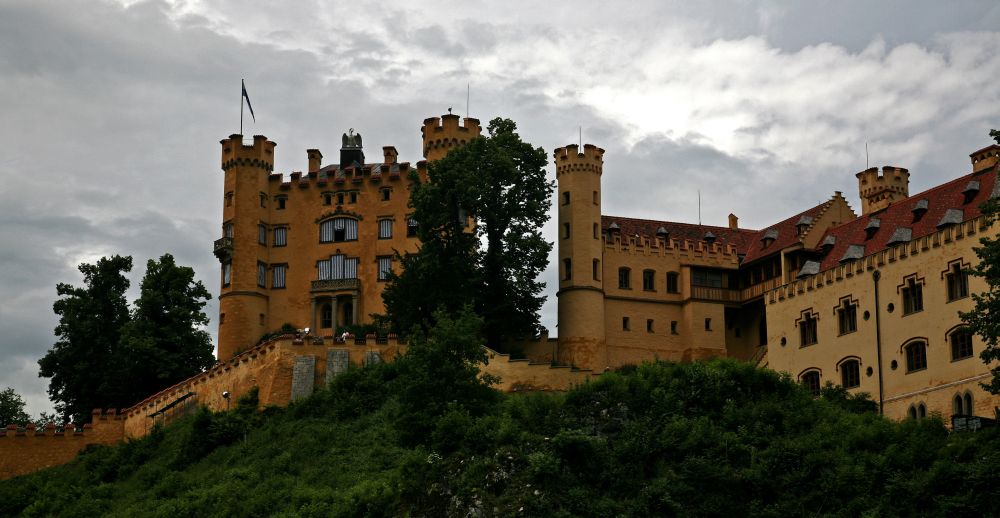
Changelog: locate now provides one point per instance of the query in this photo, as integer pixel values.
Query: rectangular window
(673, 282)
(324, 270)
(411, 227)
(280, 236)
(385, 229)
(567, 269)
(565, 230)
(673, 327)
(649, 325)
(625, 324)
(913, 297)
(281, 202)
(385, 194)
(227, 230)
(807, 330)
(565, 198)
(624, 278)
(261, 275)
(958, 283)
(596, 267)
(262, 234)
(354, 197)
(708, 324)
(278, 276)
(708, 278)
(847, 317)
(227, 274)
(597, 199)
(647, 280)
(340, 198)
(384, 267)
(229, 199)
(263, 200)
(337, 267)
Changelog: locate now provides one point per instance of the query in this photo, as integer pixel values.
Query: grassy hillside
(662, 439)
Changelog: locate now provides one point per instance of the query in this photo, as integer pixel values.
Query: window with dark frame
(810, 380)
(916, 356)
(648, 280)
(385, 228)
(278, 275)
(961, 344)
(384, 267)
(673, 282)
(411, 227)
(624, 278)
(649, 325)
(262, 234)
(280, 236)
(625, 324)
(261, 275)
(386, 194)
(565, 230)
(565, 198)
(850, 374)
(567, 269)
(281, 202)
(847, 317)
(227, 274)
(229, 199)
(227, 230)
(958, 282)
(808, 334)
(913, 296)
(596, 266)
(337, 230)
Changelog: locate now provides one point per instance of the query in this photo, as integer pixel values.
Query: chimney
(985, 158)
(733, 221)
(390, 154)
(315, 160)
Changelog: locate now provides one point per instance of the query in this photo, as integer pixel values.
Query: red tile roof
(724, 236)
(900, 214)
(788, 235)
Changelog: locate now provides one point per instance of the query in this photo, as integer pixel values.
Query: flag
(248, 100)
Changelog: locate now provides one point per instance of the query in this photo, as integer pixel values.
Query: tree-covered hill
(716, 438)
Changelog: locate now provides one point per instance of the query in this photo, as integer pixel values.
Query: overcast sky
(111, 112)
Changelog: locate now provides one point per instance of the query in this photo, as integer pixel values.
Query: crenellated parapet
(878, 190)
(442, 134)
(985, 158)
(235, 153)
(569, 159)
(339, 179)
(680, 249)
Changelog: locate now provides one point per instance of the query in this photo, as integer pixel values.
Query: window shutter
(324, 269)
(337, 263)
(351, 268)
(326, 231)
(350, 229)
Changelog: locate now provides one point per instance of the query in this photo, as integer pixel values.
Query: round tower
(581, 282)
(442, 134)
(242, 301)
(878, 191)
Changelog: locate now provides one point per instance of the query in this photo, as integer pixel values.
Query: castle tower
(242, 301)
(878, 191)
(581, 288)
(442, 134)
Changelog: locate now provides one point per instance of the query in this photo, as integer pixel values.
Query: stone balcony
(335, 285)
(223, 249)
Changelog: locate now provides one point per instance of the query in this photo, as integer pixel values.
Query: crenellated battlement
(441, 134)
(569, 159)
(341, 179)
(878, 190)
(237, 154)
(985, 158)
(676, 248)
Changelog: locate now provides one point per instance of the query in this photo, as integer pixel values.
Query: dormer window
(872, 227)
(613, 229)
(971, 190)
(709, 237)
(828, 243)
(662, 233)
(769, 237)
(920, 209)
(802, 224)
(951, 217)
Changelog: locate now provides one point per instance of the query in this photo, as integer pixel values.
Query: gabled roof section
(944, 205)
(783, 234)
(648, 228)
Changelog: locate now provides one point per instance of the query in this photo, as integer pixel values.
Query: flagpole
(242, 87)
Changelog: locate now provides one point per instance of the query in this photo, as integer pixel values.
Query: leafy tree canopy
(11, 408)
(497, 184)
(982, 319)
(107, 356)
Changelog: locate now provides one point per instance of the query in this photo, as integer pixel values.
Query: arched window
(337, 230)
(810, 379)
(921, 411)
(916, 355)
(968, 404)
(850, 373)
(648, 282)
(957, 405)
(961, 344)
(912, 412)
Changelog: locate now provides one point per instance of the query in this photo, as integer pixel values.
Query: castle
(867, 302)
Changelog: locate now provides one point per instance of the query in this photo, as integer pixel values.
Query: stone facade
(308, 250)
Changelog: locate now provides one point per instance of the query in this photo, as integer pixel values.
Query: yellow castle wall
(928, 258)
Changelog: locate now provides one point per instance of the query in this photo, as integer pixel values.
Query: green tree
(982, 319)
(84, 364)
(164, 342)
(499, 182)
(12, 408)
